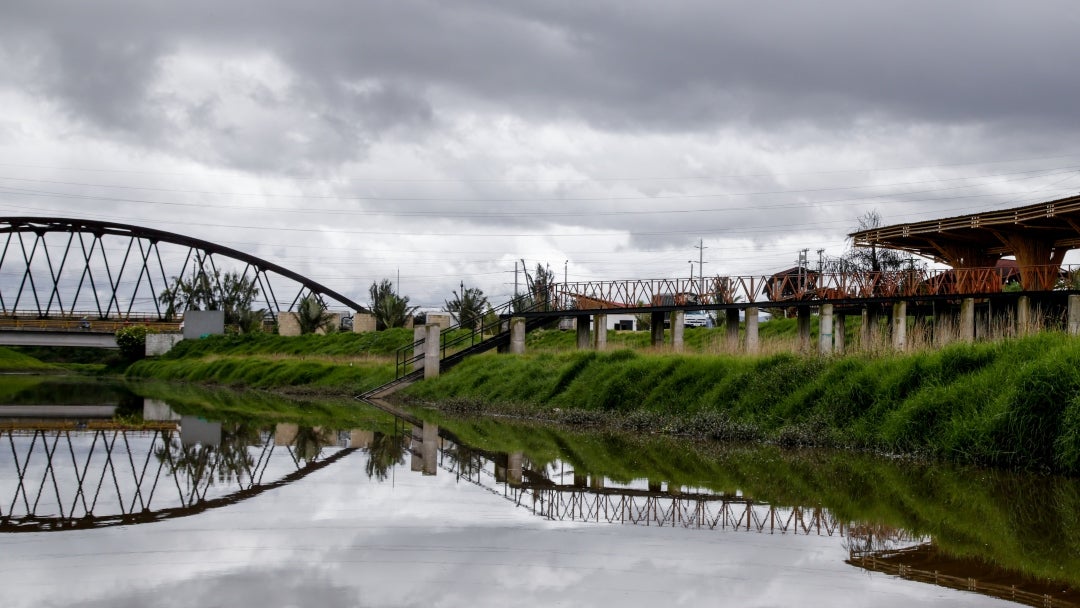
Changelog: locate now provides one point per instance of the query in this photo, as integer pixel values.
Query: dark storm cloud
(621, 65)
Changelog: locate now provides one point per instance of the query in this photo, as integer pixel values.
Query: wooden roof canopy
(1038, 236)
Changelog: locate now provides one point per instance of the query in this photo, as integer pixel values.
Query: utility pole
(700, 265)
(515, 281)
(565, 266)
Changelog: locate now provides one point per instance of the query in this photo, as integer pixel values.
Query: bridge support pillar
(731, 325)
(1074, 315)
(363, 322)
(517, 336)
(418, 334)
(600, 332)
(430, 448)
(1023, 315)
(753, 344)
(899, 325)
(803, 318)
(678, 328)
(825, 329)
(840, 333)
(656, 326)
(581, 322)
(514, 471)
(967, 320)
(431, 350)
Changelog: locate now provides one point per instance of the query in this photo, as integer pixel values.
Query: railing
(82, 322)
(804, 285)
(458, 337)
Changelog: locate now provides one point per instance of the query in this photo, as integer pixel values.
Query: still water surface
(109, 498)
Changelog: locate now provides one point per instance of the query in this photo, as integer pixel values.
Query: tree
(872, 258)
(390, 309)
(468, 307)
(311, 315)
(540, 286)
(232, 293)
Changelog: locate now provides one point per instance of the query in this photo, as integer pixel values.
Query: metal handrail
(451, 338)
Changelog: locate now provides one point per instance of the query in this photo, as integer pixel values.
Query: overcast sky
(354, 140)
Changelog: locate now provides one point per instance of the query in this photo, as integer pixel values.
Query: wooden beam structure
(1037, 236)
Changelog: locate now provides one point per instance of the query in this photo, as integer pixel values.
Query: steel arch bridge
(56, 266)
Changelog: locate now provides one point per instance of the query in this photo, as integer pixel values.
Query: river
(136, 496)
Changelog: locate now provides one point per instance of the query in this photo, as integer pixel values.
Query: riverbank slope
(1014, 403)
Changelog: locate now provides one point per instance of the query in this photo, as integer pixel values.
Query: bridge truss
(57, 267)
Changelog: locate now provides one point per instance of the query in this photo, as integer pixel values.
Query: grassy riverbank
(1013, 403)
(15, 362)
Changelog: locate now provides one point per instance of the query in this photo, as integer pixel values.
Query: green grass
(342, 344)
(12, 361)
(1014, 403)
(309, 375)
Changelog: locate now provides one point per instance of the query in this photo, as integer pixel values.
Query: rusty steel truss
(57, 267)
(804, 286)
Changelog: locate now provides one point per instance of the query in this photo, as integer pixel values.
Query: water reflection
(63, 474)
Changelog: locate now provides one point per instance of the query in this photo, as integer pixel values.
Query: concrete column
(600, 332)
(1074, 315)
(678, 327)
(803, 324)
(416, 450)
(753, 345)
(840, 333)
(967, 320)
(865, 333)
(899, 325)
(514, 468)
(517, 336)
(731, 325)
(1023, 315)
(430, 448)
(825, 329)
(363, 322)
(582, 323)
(418, 334)
(431, 350)
(657, 328)
(596, 482)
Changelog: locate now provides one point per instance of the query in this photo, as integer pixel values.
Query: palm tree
(468, 307)
(390, 309)
(311, 315)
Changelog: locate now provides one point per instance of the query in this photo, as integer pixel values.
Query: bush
(132, 341)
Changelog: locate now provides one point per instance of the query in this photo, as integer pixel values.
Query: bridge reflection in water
(66, 475)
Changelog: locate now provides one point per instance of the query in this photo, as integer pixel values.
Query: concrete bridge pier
(899, 326)
(656, 326)
(803, 316)
(1074, 315)
(581, 322)
(731, 324)
(967, 320)
(419, 333)
(678, 329)
(753, 344)
(825, 329)
(431, 350)
(1024, 325)
(839, 333)
(517, 336)
(600, 332)
(430, 448)
(514, 470)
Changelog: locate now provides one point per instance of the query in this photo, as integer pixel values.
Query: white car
(697, 318)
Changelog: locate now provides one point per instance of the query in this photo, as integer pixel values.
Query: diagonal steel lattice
(58, 479)
(53, 266)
